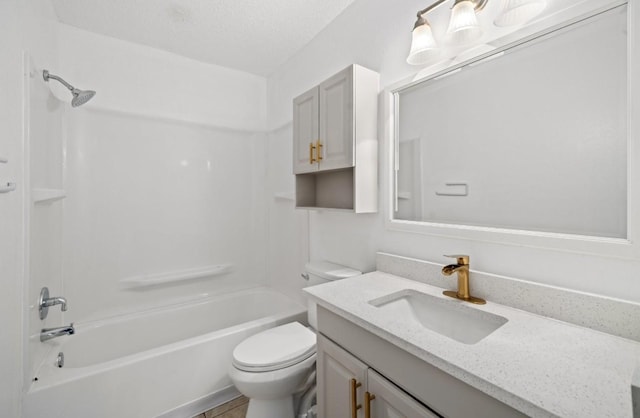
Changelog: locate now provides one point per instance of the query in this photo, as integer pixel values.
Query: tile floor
(236, 408)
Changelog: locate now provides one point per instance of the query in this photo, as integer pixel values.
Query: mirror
(533, 138)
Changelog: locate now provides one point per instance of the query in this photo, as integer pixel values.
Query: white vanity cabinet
(386, 400)
(347, 387)
(335, 145)
(360, 375)
(340, 380)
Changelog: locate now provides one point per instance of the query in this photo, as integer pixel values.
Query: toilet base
(272, 408)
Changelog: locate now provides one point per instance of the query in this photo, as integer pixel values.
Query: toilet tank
(320, 272)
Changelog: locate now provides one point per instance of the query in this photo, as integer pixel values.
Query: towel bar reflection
(9, 187)
(452, 193)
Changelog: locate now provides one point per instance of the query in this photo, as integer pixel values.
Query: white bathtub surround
(539, 366)
(610, 315)
(148, 363)
(149, 197)
(146, 169)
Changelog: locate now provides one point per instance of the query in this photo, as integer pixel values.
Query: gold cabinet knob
(311, 148)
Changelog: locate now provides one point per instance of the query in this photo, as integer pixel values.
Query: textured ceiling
(250, 35)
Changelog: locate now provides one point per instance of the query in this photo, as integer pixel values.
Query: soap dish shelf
(175, 276)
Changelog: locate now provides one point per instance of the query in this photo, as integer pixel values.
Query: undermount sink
(449, 318)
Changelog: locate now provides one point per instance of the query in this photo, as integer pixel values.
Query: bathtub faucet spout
(50, 333)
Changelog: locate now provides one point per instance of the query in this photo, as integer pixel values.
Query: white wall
(376, 34)
(11, 215)
(24, 26)
(43, 139)
(44, 152)
(288, 242)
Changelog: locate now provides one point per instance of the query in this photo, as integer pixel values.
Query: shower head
(80, 97)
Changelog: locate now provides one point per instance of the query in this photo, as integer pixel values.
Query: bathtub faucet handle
(45, 301)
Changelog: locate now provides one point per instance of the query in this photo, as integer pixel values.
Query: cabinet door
(336, 121)
(341, 382)
(305, 132)
(389, 401)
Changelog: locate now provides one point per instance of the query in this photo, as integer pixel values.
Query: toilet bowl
(271, 366)
(274, 366)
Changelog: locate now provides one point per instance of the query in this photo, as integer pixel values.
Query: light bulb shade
(423, 46)
(519, 12)
(463, 26)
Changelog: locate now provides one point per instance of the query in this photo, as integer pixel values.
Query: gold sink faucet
(462, 268)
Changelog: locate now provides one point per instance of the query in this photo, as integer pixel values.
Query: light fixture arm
(429, 8)
(477, 4)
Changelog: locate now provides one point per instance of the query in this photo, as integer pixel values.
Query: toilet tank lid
(330, 271)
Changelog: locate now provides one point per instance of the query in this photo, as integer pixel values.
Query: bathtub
(166, 362)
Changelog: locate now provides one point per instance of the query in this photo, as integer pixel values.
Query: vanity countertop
(537, 365)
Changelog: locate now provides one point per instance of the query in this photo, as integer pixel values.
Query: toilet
(274, 367)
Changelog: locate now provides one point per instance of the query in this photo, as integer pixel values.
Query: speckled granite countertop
(539, 366)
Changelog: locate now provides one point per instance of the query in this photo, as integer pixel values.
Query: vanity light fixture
(518, 12)
(423, 45)
(463, 28)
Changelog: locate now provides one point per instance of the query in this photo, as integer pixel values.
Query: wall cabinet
(347, 387)
(335, 145)
(361, 375)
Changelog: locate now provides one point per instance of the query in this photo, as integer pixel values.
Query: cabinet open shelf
(325, 189)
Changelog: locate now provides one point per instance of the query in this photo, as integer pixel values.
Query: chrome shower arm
(80, 97)
(47, 76)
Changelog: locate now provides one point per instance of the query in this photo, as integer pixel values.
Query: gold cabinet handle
(354, 402)
(319, 147)
(368, 397)
(311, 148)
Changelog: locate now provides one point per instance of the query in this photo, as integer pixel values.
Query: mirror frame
(611, 247)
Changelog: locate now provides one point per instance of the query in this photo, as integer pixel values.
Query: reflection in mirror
(534, 138)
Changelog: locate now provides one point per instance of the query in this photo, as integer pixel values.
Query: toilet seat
(275, 348)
